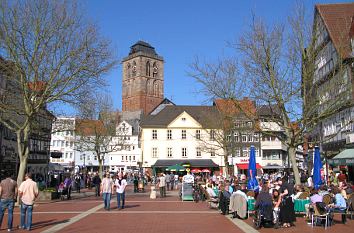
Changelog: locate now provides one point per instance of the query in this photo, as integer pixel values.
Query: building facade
(181, 134)
(333, 78)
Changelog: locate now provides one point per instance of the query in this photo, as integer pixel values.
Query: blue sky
(180, 30)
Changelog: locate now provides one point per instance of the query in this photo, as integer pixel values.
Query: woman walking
(120, 185)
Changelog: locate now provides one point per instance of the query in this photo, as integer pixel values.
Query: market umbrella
(252, 183)
(317, 165)
(206, 170)
(196, 170)
(175, 168)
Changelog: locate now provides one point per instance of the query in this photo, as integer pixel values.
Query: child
(60, 190)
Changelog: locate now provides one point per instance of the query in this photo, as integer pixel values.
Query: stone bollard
(153, 193)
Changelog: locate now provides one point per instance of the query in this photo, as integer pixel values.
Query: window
(126, 158)
(71, 144)
(199, 152)
(66, 155)
(154, 152)
(212, 135)
(212, 153)
(250, 137)
(197, 134)
(71, 155)
(66, 143)
(184, 152)
(88, 157)
(169, 134)
(249, 123)
(244, 152)
(244, 138)
(81, 157)
(148, 68)
(169, 152)
(237, 124)
(133, 157)
(256, 137)
(154, 134)
(183, 119)
(237, 152)
(62, 143)
(236, 137)
(184, 134)
(122, 158)
(155, 70)
(95, 158)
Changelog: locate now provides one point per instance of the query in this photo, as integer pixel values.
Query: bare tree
(52, 55)
(97, 129)
(278, 70)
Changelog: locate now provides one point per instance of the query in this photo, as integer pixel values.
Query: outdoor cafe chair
(327, 199)
(317, 216)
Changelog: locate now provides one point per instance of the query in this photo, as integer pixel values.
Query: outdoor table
(250, 204)
(299, 205)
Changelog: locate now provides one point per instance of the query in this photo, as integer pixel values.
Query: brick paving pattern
(144, 215)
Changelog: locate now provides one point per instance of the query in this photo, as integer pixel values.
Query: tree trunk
(100, 168)
(226, 162)
(23, 152)
(292, 156)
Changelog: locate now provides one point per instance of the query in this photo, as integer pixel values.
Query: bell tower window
(128, 70)
(134, 69)
(155, 70)
(148, 68)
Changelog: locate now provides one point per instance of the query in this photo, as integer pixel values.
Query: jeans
(121, 196)
(163, 191)
(9, 205)
(107, 200)
(97, 190)
(26, 209)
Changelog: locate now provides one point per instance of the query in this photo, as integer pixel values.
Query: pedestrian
(176, 181)
(107, 190)
(136, 182)
(68, 186)
(168, 181)
(120, 184)
(28, 192)
(97, 183)
(8, 195)
(78, 182)
(172, 178)
(162, 185)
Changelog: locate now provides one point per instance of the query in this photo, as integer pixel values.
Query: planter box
(47, 196)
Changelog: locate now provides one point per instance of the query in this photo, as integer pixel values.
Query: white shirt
(242, 194)
(107, 185)
(211, 192)
(120, 188)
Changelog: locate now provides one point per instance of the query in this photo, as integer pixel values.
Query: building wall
(142, 87)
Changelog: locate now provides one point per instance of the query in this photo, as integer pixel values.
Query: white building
(181, 134)
(127, 156)
(62, 143)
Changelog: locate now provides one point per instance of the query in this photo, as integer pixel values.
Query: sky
(180, 30)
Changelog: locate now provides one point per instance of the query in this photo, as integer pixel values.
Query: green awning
(346, 157)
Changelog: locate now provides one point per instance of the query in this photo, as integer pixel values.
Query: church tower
(143, 79)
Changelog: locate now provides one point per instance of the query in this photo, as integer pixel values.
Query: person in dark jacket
(97, 183)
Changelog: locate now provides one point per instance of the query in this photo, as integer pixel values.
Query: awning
(346, 157)
(193, 162)
(244, 166)
(274, 166)
(55, 167)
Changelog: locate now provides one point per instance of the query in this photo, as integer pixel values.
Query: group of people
(281, 193)
(27, 191)
(167, 181)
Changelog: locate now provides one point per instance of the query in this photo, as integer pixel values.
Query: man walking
(107, 191)
(172, 178)
(162, 185)
(168, 181)
(68, 186)
(120, 184)
(78, 182)
(28, 192)
(8, 195)
(97, 182)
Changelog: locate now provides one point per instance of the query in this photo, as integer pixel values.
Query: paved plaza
(85, 213)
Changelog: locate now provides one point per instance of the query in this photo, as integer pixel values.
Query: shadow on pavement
(42, 224)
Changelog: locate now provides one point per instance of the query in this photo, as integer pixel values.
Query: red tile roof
(233, 108)
(89, 127)
(338, 19)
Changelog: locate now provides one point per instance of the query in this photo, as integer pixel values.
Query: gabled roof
(338, 19)
(233, 108)
(268, 111)
(207, 116)
(161, 105)
(87, 127)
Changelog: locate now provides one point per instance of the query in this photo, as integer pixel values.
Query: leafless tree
(51, 55)
(97, 129)
(278, 68)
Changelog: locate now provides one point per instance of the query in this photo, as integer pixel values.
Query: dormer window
(183, 119)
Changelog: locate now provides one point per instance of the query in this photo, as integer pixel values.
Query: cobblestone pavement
(85, 213)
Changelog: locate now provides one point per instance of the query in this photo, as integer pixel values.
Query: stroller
(265, 216)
